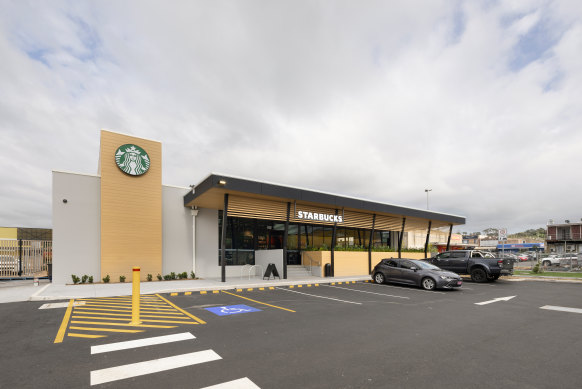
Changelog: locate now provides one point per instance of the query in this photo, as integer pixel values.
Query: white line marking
(40, 291)
(243, 383)
(153, 366)
(60, 305)
(408, 288)
(105, 348)
(364, 291)
(321, 297)
(496, 300)
(563, 309)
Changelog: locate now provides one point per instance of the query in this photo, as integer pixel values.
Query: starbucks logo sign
(132, 159)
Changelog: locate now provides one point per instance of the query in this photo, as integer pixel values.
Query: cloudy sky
(480, 101)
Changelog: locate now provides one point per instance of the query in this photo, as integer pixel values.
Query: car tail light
(500, 261)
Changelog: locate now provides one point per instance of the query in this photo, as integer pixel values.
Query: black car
(415, 272)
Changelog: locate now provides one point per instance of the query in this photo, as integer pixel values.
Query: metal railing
(21, 258)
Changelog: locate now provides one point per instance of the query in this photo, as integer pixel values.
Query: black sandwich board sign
(271, 269)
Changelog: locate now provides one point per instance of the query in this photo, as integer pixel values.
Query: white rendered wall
(76, 226)
(176, 232)
(264, 257)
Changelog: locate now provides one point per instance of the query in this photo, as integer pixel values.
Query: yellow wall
(351, 263)
(8, 233)
(131, 211)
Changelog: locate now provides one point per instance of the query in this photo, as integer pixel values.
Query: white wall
(264, 257)
(207, 244)
(176, 232)
(76, 226)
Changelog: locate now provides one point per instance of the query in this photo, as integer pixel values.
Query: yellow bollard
(135, 297)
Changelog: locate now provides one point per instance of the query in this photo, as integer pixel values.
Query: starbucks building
(222, 227)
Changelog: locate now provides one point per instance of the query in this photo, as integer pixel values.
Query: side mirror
(414, 268)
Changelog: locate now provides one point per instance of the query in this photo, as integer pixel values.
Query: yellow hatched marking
(129, 307)
(183, 311)
(148, 320)
(309, 285)
(258, 302)
(187, 293)
(339, 283)
(250, 289)
(271, 288)
(168, 316)
(316, 284)
(120, 324)
(261, 288)
(104, 329)
(63, 328)
(216, 291)
(150, 310)
(173, 294)
(203, 292)
(123, 305)
(333, 283)
(86, 335)
(239, 290)
(291, 286)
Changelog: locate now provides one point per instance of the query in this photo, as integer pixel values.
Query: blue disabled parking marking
(232, 310)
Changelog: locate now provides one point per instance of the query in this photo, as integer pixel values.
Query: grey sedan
(415, 272)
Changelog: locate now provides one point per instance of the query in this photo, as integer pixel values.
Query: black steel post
(19, 257)
(333, 248)
(427, 238)
(449, 239)
(400, 238)
(370, 244)
(306, 237)
(223, 240)
(285, 234)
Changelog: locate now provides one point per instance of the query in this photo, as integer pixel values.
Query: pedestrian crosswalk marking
(154, 366)
(105, 348)
(242, 383)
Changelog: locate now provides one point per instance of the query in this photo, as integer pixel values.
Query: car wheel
(546, 263)
(479, 275)
(428, 283)
(379, 278)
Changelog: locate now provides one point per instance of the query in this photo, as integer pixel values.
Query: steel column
(449, 239)
(19, 257)
(427, 238)
(400, 238)
(370, 244)
(333, 248)
(285, 234)
(223, 239)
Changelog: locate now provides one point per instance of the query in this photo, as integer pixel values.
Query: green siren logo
(132, 159)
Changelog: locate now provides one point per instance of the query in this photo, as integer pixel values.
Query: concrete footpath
(14, 291)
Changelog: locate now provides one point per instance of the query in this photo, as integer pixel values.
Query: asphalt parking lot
(353, 335)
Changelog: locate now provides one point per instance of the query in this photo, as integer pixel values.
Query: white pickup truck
(560, 259)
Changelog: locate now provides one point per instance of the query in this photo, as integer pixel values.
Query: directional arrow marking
(496, 300)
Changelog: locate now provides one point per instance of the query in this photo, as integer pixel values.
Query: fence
(553, 262)
(21, 258)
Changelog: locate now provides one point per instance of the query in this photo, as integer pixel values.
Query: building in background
(564, 238)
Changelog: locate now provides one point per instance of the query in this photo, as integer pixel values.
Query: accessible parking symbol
(232, 310)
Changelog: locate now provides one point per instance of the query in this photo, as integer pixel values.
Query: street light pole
(427, 190)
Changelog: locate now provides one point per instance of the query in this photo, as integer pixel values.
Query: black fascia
(289, 194)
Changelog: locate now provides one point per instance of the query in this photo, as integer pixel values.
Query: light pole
(427, 190)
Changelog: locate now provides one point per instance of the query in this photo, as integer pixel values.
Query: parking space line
(85, 336)
(65, 323)
(141, 319)
(183, 311)
(365, 291)
(105, 348)
(154, 366)
(242, 383)
(322, 297)
(120, 324)
(258, 302)
(104, 329)
(406, 288)
(561, 309)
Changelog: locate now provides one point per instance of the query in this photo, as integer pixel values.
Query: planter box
(348, 263)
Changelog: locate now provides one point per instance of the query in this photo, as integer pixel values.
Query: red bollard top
(136, 268)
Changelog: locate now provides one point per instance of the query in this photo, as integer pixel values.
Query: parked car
(479, 265)
(415, 272)
(550, 260)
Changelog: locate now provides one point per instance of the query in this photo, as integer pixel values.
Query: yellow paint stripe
(216, 291)
(187, 293)
(173, 294)
(183, 311)
(176, 315)
(159, 307)
(261, 288)
(258, 302)
(291, 286)
(118, 300)
(127, 310)
(239, 290)
(249, 289)
(104, 329)
(271, 288)
(63, 328)
(120, 324)
(316, 284)
(309, 285)
(203, 292)
(148, 320)
(86, 336)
